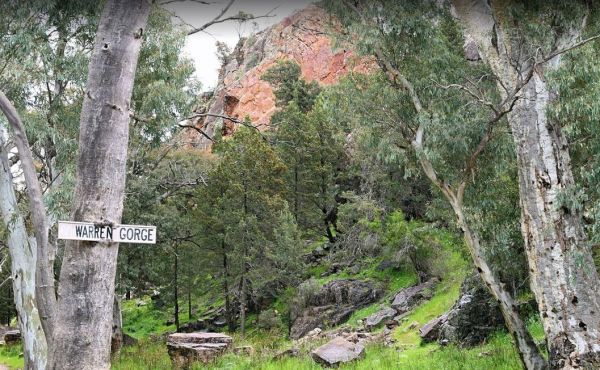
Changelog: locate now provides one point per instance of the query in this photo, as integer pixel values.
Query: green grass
(142, 321)
(145, 355)
(445, 294)
(12, 356)
(452, 264)
(497, 354)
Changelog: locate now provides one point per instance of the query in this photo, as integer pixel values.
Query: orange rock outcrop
(303, 37)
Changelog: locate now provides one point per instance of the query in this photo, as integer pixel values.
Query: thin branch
(225, 117)
(574, 46)
(5, 281)
(241, 17)
(214, 20)
(199, 130)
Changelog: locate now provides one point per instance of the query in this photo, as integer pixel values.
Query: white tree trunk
(22, 249)
(563, 276)
(83, 325)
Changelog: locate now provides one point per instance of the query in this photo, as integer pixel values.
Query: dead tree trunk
(83, 324)
(563, 276)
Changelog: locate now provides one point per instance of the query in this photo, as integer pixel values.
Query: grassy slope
(409, 353)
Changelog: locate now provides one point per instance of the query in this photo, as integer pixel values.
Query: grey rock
(409, 297)
(470, 49)
(333, 305)
(186, 348)
(431, 331)
(128, 340)
(379, 317)
(199, 338)
(387, 264)
(12, 337)
(474, 317)
(337, 351)
(290, 352)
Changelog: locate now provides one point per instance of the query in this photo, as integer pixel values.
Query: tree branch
(197, 129)
(241, 16)
(214, 20)
(562, 51)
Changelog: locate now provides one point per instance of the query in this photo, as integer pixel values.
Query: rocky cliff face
(303, 37)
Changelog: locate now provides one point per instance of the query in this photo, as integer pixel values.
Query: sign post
(70, 230)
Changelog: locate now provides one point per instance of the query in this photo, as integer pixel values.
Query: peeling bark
(83, 325)
(563, 276)
(23, 254)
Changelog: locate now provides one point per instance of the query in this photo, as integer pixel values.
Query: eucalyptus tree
(39, 62)
(105, 99)
(418, 47)
(523, 43)
(577, 83)
(23, 254)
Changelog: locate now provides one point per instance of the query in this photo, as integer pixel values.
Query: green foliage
(310, 144)
(411, 243)
(141, 318)
(12, 356)
(577, 111)
(288, 86)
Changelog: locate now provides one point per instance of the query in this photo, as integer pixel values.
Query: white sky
(201, 46)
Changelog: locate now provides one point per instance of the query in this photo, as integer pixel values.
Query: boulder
(379, 317)
(474, 317)
(471, 50)
(12, 337)
(199, 338)
(409, 297)
(186, 348)
(431, 331)
(337, 351)
(333, 305)
(387, 265)
(157, 299)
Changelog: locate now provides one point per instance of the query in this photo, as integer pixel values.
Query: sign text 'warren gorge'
(122, 233)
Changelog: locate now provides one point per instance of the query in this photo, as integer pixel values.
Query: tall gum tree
(563, 276)
(416, 128)
(83, 319)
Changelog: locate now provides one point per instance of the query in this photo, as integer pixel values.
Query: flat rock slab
(12, 337)
(409, 297)
(337, 351)
(379, 317)
(199, 338)
(186, 348)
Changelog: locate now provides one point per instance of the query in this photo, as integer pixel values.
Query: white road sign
(122, 233)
